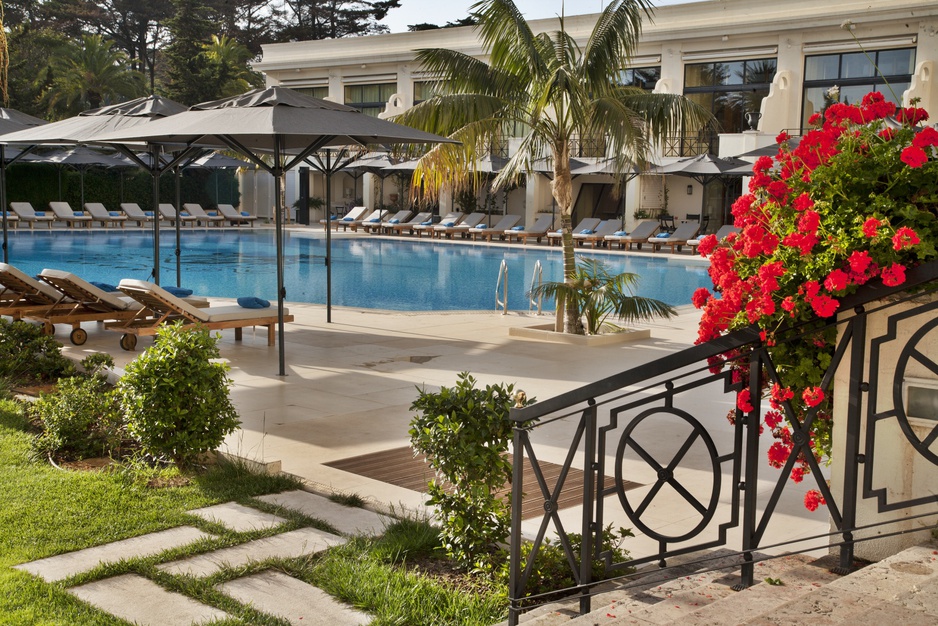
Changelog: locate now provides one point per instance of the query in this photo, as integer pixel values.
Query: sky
(441, 11)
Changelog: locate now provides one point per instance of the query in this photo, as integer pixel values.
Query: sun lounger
(167, 308)
(374, 218)
(638, 236)
(687, 230)
(236, 217)
(201, 216)
(100, 214)
(420, 218)
(12, 218)
(473, 219)
(721, 234)
(26, 213)
(587, 226)
(450, 219)
(353, 214)
(21, 294)
(538, 230)
(389, 220)
(135, 213)
(168, 213)
(608, 227)
(64, 213)
(497, 230)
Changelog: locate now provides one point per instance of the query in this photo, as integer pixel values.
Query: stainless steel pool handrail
(502, 283)
(537, 277)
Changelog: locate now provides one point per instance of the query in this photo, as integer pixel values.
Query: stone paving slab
(297, 602)
(346, 519)
(61, 566)
(143, 602)
(238, 517)
(293, 544)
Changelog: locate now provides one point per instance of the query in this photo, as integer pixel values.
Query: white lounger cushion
(209, 314)
(44, 288)
(118, 303)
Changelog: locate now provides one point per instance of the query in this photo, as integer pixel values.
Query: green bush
(175, 399)
(79, 420)
(26, 355)
(465, 434)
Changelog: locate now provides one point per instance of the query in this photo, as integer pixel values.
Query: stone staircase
(902, 589)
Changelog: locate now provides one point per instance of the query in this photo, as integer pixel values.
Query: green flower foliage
(175, 398)
(855, 201)
(27, 355)
(81, 419)
(464, 431)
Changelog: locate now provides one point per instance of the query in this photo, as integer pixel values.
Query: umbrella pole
(3, 200)
(177, 174)
(328, 173)
(278, 221)
(155, 175)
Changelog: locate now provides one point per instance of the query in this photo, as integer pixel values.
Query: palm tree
(89, 74)
(228, 64)
(552, 88)
(593, 295)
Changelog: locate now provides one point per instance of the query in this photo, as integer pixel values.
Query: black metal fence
(713, 467)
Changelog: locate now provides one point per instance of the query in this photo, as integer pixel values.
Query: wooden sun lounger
(25, 212)
(587, 223)
(236, 217)
(168, 308)
(21, 294)
(676, 239)
(450, 219)
(498, 230)
(100, 214)
(201, 216)
(473, 219)
(538, 230)
(135, 213)
(409, 226)
(638, 236)
(389, 220)
(65, 213)
(168, 213)
(353, 214)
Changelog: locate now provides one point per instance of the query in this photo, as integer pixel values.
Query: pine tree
(190, 31)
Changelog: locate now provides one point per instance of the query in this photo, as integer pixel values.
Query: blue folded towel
(374, 220)
(78, 213)
(39, 213)
(245, 214)
(179, 292)
(348, 219)
(428, 223)
(449, 224)
(184, 213)
(394, 222)
(663, 235)
(518, 228)
(586, 231)
(211, 213)
(114, 213)
(620, 233)
(480, 227)
(148, 213)
(103, 286)
(252, 302)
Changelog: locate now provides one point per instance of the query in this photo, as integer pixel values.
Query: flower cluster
(855, 200)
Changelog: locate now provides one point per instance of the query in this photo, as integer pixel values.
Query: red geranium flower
(905, 237)
(914, 157)
(870, 227)
(894, 275)
(813, 499)
(813, 396)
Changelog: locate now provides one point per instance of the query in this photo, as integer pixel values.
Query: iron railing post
(751, 479)
(514, 555)
(856, 387)
(590, 465)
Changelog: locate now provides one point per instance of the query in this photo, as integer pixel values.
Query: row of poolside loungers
(130, 212)
(133, 308)
(590, 231)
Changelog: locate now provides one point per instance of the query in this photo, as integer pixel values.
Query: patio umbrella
(82, 159)
(769, 150)
(376, 163)
(115, 117)
(291, 127)
(11, 120)
(217, 161)
(703, 168)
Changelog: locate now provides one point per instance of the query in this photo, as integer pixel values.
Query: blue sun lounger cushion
(39, 213)
(252, 302)
(348, 219)
(479, 227)
(78, 213)
(148, 213)
(114, 213)
(211, 213)
(448, 224)
(663, 235)
(427, 223)
(179, 292)
(517, 228)
(394, 221)
(103, 286)
(620, 233)
(586, 231)
(245, 214)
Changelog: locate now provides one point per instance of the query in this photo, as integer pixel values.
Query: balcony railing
(691, 144)
(714, 470)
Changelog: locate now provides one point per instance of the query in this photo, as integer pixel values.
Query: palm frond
(614, 38)
(505, 34)
(664, 113)
(464, 74)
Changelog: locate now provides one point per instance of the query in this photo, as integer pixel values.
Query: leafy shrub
(175, 399)
(79, 420)
(465, 433)
(26, 355)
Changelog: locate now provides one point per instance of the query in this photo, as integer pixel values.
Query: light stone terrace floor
(349, 385)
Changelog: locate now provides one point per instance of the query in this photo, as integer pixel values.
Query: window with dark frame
(371, 99)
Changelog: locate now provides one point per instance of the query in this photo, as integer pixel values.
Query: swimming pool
(373, 273)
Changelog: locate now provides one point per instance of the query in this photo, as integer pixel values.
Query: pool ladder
(536, 279)
(502, 285)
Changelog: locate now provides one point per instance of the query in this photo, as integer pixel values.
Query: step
(238, 517)
(293, 600)
(346, 519)
(295, 543)
(143, 602)
(62, 566)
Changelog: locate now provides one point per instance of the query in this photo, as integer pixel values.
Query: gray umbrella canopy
(11, 121)
(81, 158)
(217, 160)
(770, 150)
(702, 168)
(291, 127)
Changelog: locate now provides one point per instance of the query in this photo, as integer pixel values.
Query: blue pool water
(367, 272)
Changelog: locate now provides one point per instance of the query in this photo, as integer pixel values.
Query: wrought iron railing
(691, 144)
(670, 400)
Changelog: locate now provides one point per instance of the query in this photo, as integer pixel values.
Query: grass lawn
(45, 511)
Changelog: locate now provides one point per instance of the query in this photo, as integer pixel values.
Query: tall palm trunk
(562, 188)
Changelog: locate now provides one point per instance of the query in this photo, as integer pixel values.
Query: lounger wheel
(79, 336)
(128, 342)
